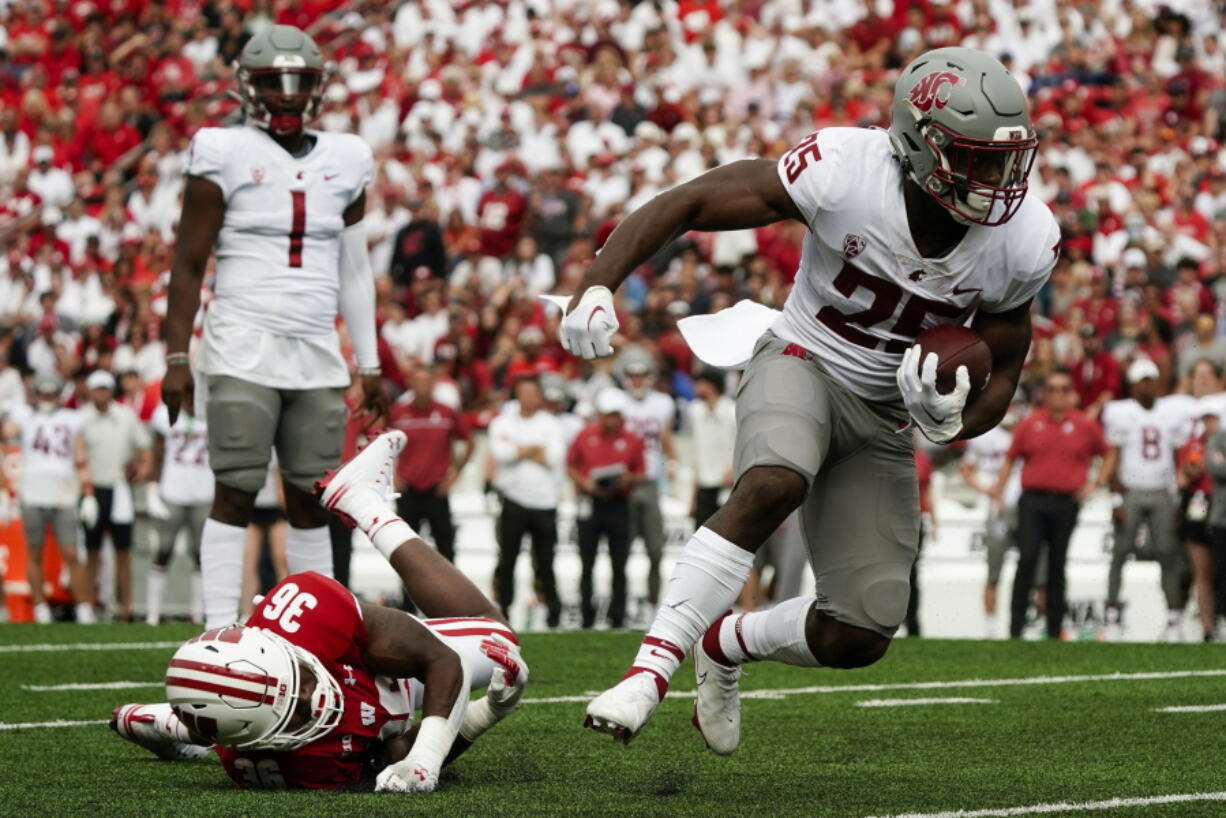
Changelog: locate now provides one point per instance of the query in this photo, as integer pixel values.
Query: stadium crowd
(511, 137)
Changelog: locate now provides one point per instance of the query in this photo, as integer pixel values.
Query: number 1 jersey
(863, 292)
(273, 319)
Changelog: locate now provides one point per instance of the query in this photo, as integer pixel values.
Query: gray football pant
(1157, 510)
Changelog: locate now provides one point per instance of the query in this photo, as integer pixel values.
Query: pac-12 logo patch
(257, 175)
(934, 89)
(853, 245)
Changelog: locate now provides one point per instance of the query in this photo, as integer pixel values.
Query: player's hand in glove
(88, 511)
(938, 416)
(588, 328)
(154, 505)
(510, 675)
(406, 775)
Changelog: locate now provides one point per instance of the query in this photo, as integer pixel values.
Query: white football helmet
(239, 687)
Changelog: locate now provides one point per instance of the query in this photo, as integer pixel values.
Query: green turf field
(804, 753)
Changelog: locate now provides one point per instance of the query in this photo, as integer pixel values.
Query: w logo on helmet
(934, 89)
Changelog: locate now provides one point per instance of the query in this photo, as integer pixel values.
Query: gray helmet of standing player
(280, 76)
(962, 132)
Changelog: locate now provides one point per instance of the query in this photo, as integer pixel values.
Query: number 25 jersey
(273, 319)
(864, 292)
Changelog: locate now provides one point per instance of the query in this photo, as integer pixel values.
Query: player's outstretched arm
(401, 647)
(737, 196)
(1007, 334)
(204, 208)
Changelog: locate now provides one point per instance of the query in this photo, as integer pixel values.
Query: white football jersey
(648, 418)
(48, 456)
(187, 479)
(273, 318)
(863, 292)
(1147, 440)
(986, 454)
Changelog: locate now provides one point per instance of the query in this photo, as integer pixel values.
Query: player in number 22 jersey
(925, 224)
(315, 686)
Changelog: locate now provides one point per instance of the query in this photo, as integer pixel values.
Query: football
(957, 346)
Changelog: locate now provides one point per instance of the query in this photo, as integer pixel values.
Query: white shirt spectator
(74, 233)
(53, 185)
(713, 429)
(14, 155)
(537, 274)
(149, 362)
(112, 439)
(523, 481)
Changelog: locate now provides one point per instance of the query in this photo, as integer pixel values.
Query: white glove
(154, 506)
(88, 511)
(938, 416)
(406, 775)
(507, 682)
(587, 331)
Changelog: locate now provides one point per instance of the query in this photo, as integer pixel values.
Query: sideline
(1065, 806)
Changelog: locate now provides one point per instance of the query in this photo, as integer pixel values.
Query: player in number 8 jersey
(282, 206)
(316, 685)
(922, 225)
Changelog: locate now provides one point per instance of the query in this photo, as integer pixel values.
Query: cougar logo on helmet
(934, 89)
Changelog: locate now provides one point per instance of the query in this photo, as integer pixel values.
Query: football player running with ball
(923, 225)
(316, 688)
(282, 207)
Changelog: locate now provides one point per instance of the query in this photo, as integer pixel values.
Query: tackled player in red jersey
(316, 688)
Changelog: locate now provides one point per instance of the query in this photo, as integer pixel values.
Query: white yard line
(1192, 708)
(915, 702)
(91, 686)
(959, 683)
(30, 725)
(68, 646)
(1066, 806)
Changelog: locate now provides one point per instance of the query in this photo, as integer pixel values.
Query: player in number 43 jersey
(281, 206)
(925, 224)
(316, 686)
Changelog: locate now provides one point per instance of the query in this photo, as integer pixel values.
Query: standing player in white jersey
(54, 476)
(1144, 434)
(926, 224)
(649, 413)
(282, 206)
(184, 483)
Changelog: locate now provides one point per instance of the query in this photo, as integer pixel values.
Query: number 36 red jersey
(863, 292)
(319, 614)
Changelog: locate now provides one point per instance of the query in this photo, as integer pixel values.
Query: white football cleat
(1113, 632)
(349, 490)
(1173, 634)
(624, 709)
(150, 726)
(717, 707)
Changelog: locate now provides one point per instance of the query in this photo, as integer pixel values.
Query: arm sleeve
(815, 172)
(357, 295)
(206, 158)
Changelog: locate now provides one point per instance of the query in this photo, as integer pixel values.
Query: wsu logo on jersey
(853, 245)
(934, 89)
(257, 175)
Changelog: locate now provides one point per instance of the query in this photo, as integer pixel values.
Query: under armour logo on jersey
(368, 714)
(350, 679)
(934, 89)
(853, 245)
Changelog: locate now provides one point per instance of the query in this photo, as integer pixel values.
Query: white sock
(777, 634)
(197, 604)
(85, 614)
(221, 566)
(375, 518)
(42, 613)
(154, 591)
(309, 549)
(1173, 617)
(706, 580)
(989, 626)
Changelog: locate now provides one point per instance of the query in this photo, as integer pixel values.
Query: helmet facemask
(971, 176)
(327, 705)
(282, 99)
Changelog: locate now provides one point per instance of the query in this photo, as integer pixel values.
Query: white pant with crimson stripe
(464, 635)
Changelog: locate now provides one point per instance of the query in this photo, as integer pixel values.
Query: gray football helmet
(280, 79)
(962, 132)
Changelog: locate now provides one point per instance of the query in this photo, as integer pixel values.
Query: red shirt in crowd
(499, 215)
(425, 460)
(595, 454)
(1056, 455)
(1094, 376)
